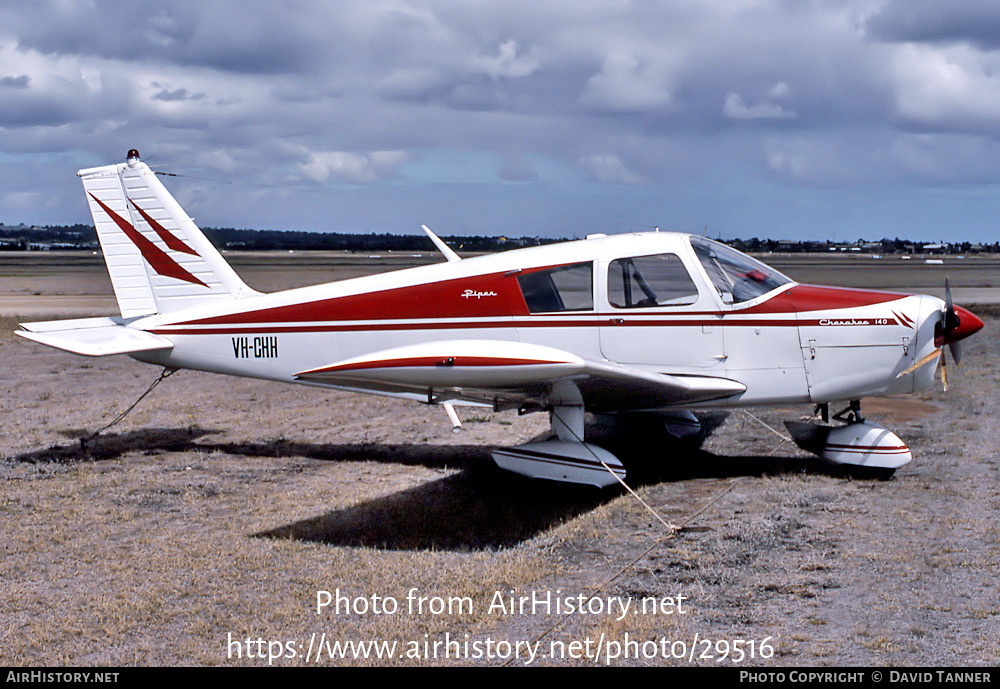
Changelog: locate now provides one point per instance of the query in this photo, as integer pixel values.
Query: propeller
(955, 325)
(926, 360)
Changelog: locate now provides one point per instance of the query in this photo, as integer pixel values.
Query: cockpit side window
(736, 276)
(647, 281)
(564, 288)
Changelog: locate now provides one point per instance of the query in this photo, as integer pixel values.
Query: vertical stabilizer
(158, 259)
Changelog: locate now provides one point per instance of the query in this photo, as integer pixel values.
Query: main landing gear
(566, 458)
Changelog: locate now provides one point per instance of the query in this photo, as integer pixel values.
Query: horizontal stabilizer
(93, 336)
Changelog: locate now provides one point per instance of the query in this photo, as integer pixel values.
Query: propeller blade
(926, 360)
(951, 320)
(956, 324)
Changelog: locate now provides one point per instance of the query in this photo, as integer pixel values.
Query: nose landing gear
(865, 447)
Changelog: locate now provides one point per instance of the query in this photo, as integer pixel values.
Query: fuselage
(659, 302)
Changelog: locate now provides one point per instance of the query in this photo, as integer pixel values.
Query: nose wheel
(863, 449)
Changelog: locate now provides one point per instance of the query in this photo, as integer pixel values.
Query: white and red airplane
(652, 323)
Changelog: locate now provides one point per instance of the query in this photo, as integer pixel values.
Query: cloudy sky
(821, 119)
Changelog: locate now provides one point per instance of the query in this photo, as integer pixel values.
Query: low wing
(510, 374)
(93, 336)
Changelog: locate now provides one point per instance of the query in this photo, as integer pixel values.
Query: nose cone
(968, 324)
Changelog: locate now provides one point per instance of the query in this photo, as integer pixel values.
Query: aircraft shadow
(109, 446)
(650, 455)
(485, 508)
(480, 507)
(113, 445)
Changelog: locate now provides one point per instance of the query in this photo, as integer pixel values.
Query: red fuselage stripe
(805, 298)
(541, 322)
(498, 295)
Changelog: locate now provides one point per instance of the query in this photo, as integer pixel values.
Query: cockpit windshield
(736, 276)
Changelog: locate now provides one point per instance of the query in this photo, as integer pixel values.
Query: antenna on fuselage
(442, 247)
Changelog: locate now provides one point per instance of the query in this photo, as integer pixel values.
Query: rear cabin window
(647, 281)
(565, 288)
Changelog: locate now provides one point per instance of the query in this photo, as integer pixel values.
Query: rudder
(158, 259)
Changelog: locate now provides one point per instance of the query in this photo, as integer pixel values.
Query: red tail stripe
(154, 255)
(166, 235)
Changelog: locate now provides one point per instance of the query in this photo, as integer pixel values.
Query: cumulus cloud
(507, 63)
(355, 168)
(930, 21)
(609, 169)
(627, 84)
(958, 87)
(260, 38)
(216, 160)
(177, 95)
(734, 108)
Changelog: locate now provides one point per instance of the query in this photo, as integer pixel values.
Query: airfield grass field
(202, 529)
